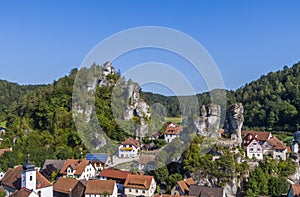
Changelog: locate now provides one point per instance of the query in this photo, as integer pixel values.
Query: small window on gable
(30, 178)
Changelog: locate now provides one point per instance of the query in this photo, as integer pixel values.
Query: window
(129, 190)
(144, 191)
(136, 191)
(258, 155)
(30, 178)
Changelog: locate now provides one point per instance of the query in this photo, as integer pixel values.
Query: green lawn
(176, 120)
(3, 124)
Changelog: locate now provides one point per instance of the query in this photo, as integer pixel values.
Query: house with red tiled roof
(101, 188)
(258, 143)
(139, 185)
(183, 187)
(294, 190)
(129, 148)
(278, 148)
(67, 187)
(172, 131)
(79, 169)
(117, 175)
(26, 176)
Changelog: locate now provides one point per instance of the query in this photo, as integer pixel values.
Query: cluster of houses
(89, 177)
(92, 176)
(259, 144)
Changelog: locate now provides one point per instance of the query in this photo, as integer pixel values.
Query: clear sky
(41, 41)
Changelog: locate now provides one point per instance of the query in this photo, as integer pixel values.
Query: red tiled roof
(183, 187)
(276, 143)
(131, 141)
(100, 187)
(296, 189)
(114, 174)
(260, 135)
(76, 165)
(172, 129)
(185, 184)
(12, 177)
(41, 181)
(138, 181)
(65, 185)
(24, 192)
(190, 181)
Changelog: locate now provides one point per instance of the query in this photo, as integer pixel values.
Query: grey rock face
(208, 122)
(108, 69)
(137, 107)
(234, 122)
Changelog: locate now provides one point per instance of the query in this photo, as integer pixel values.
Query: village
(96, 174)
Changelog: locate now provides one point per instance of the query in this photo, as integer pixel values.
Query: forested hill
(10, 93)
(271, 103)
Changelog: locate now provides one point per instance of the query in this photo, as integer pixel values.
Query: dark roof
(2, 128)
(97, 157)
(58, 164)
(200, 191)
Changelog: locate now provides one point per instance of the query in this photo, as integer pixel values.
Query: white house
(97, 188)
(172, 131)
(254, 150)
(129, 148)
(139, 185)
(98, 160)
(270, 145)
(26, 177)
(79, 169)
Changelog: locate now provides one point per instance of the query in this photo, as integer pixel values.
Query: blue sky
(41, 41)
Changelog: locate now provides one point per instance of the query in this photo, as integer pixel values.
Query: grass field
(176, 120)
(3, 124)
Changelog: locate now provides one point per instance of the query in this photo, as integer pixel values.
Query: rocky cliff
(138, 108)
(208, 121)
(234, 122)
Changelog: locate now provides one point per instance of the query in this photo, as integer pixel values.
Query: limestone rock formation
(208, 122)
(137, 108)
(234, 122)
(108, 69)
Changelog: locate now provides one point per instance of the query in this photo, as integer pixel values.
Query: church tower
(28, 178)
